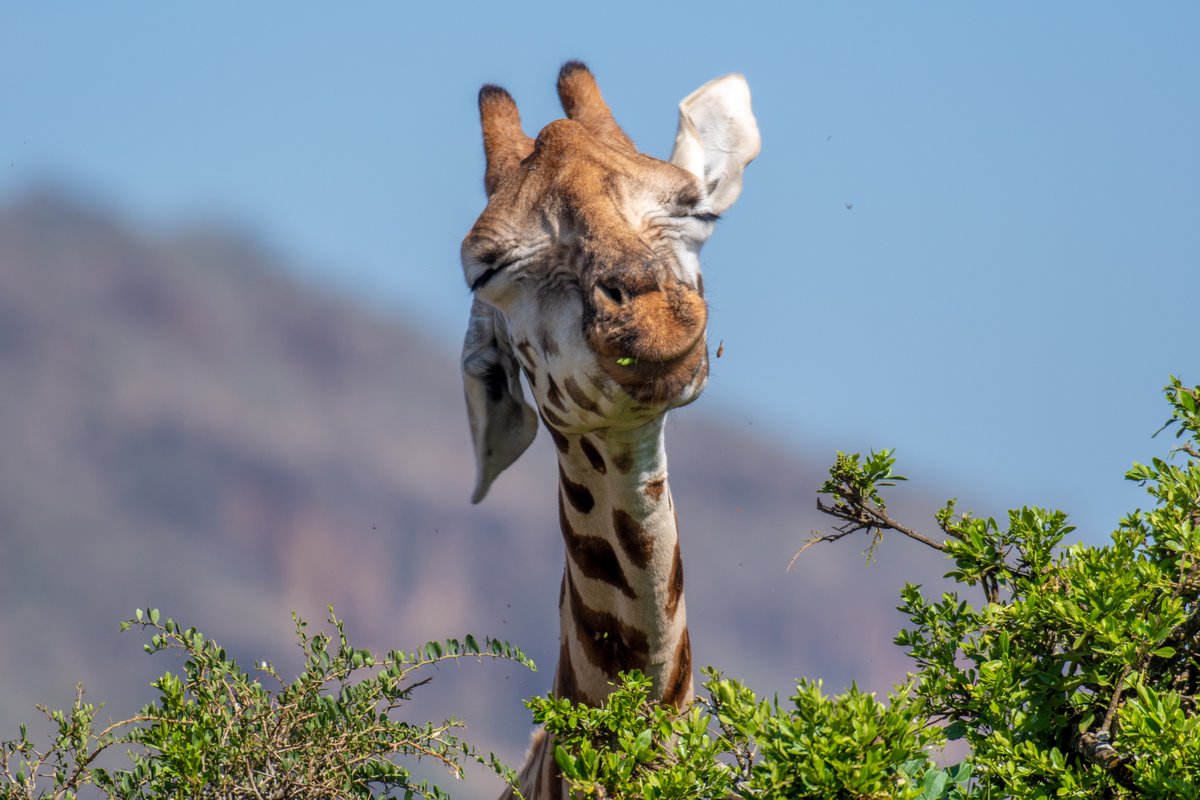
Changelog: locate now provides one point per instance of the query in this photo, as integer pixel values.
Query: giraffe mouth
(649, 339)
(661, 382)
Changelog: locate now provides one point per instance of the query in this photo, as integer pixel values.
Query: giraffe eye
(483, 278)
(492, 271)
(700, 214)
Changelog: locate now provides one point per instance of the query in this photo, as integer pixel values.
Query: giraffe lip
(658, 380)
(636, 365)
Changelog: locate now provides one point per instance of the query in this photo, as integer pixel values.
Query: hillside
(183, 425)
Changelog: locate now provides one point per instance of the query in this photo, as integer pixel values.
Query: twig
(886, 522)
(862, 517)
(816, 539)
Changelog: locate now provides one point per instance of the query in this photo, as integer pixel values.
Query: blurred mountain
(183, 425)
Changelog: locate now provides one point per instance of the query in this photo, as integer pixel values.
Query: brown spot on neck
(609, 644)
(593, 455)
(675, 583)
(678, 688)
(577, 494)
(654, 489)
(623, 462)
(553, 419)
(561, 442)
(553, 395)
(593, 556)
(579, 396)
(599, 386)
(526, 350)
(565, 684)
(634, 539)
(549, 346)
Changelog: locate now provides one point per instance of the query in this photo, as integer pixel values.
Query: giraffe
(585, 274)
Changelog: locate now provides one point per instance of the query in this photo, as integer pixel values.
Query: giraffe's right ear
(717, 138)
(502, 423)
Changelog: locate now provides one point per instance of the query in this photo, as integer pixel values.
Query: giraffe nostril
(610, 293)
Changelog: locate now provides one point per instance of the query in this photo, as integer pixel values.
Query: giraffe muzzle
(652, 343)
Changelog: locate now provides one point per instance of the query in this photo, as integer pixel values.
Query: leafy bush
(730, 744)
(217, 731)
(1077, 677)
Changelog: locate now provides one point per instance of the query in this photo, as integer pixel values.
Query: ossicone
(581, 100)
(504, 142)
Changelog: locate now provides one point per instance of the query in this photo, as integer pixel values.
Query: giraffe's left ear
(717, 138)
(502, 423)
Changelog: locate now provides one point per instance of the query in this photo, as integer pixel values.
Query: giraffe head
(585, 265)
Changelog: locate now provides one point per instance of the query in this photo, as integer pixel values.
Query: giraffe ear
(717, 138)
(502, 423)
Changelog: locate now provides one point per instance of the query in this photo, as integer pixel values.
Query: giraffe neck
(621, 605)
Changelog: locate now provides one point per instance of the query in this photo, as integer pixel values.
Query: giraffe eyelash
(492, 272)
(482, 280)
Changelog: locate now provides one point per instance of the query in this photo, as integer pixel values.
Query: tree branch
(865, 517)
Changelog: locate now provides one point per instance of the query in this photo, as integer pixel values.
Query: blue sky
(973, 233)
